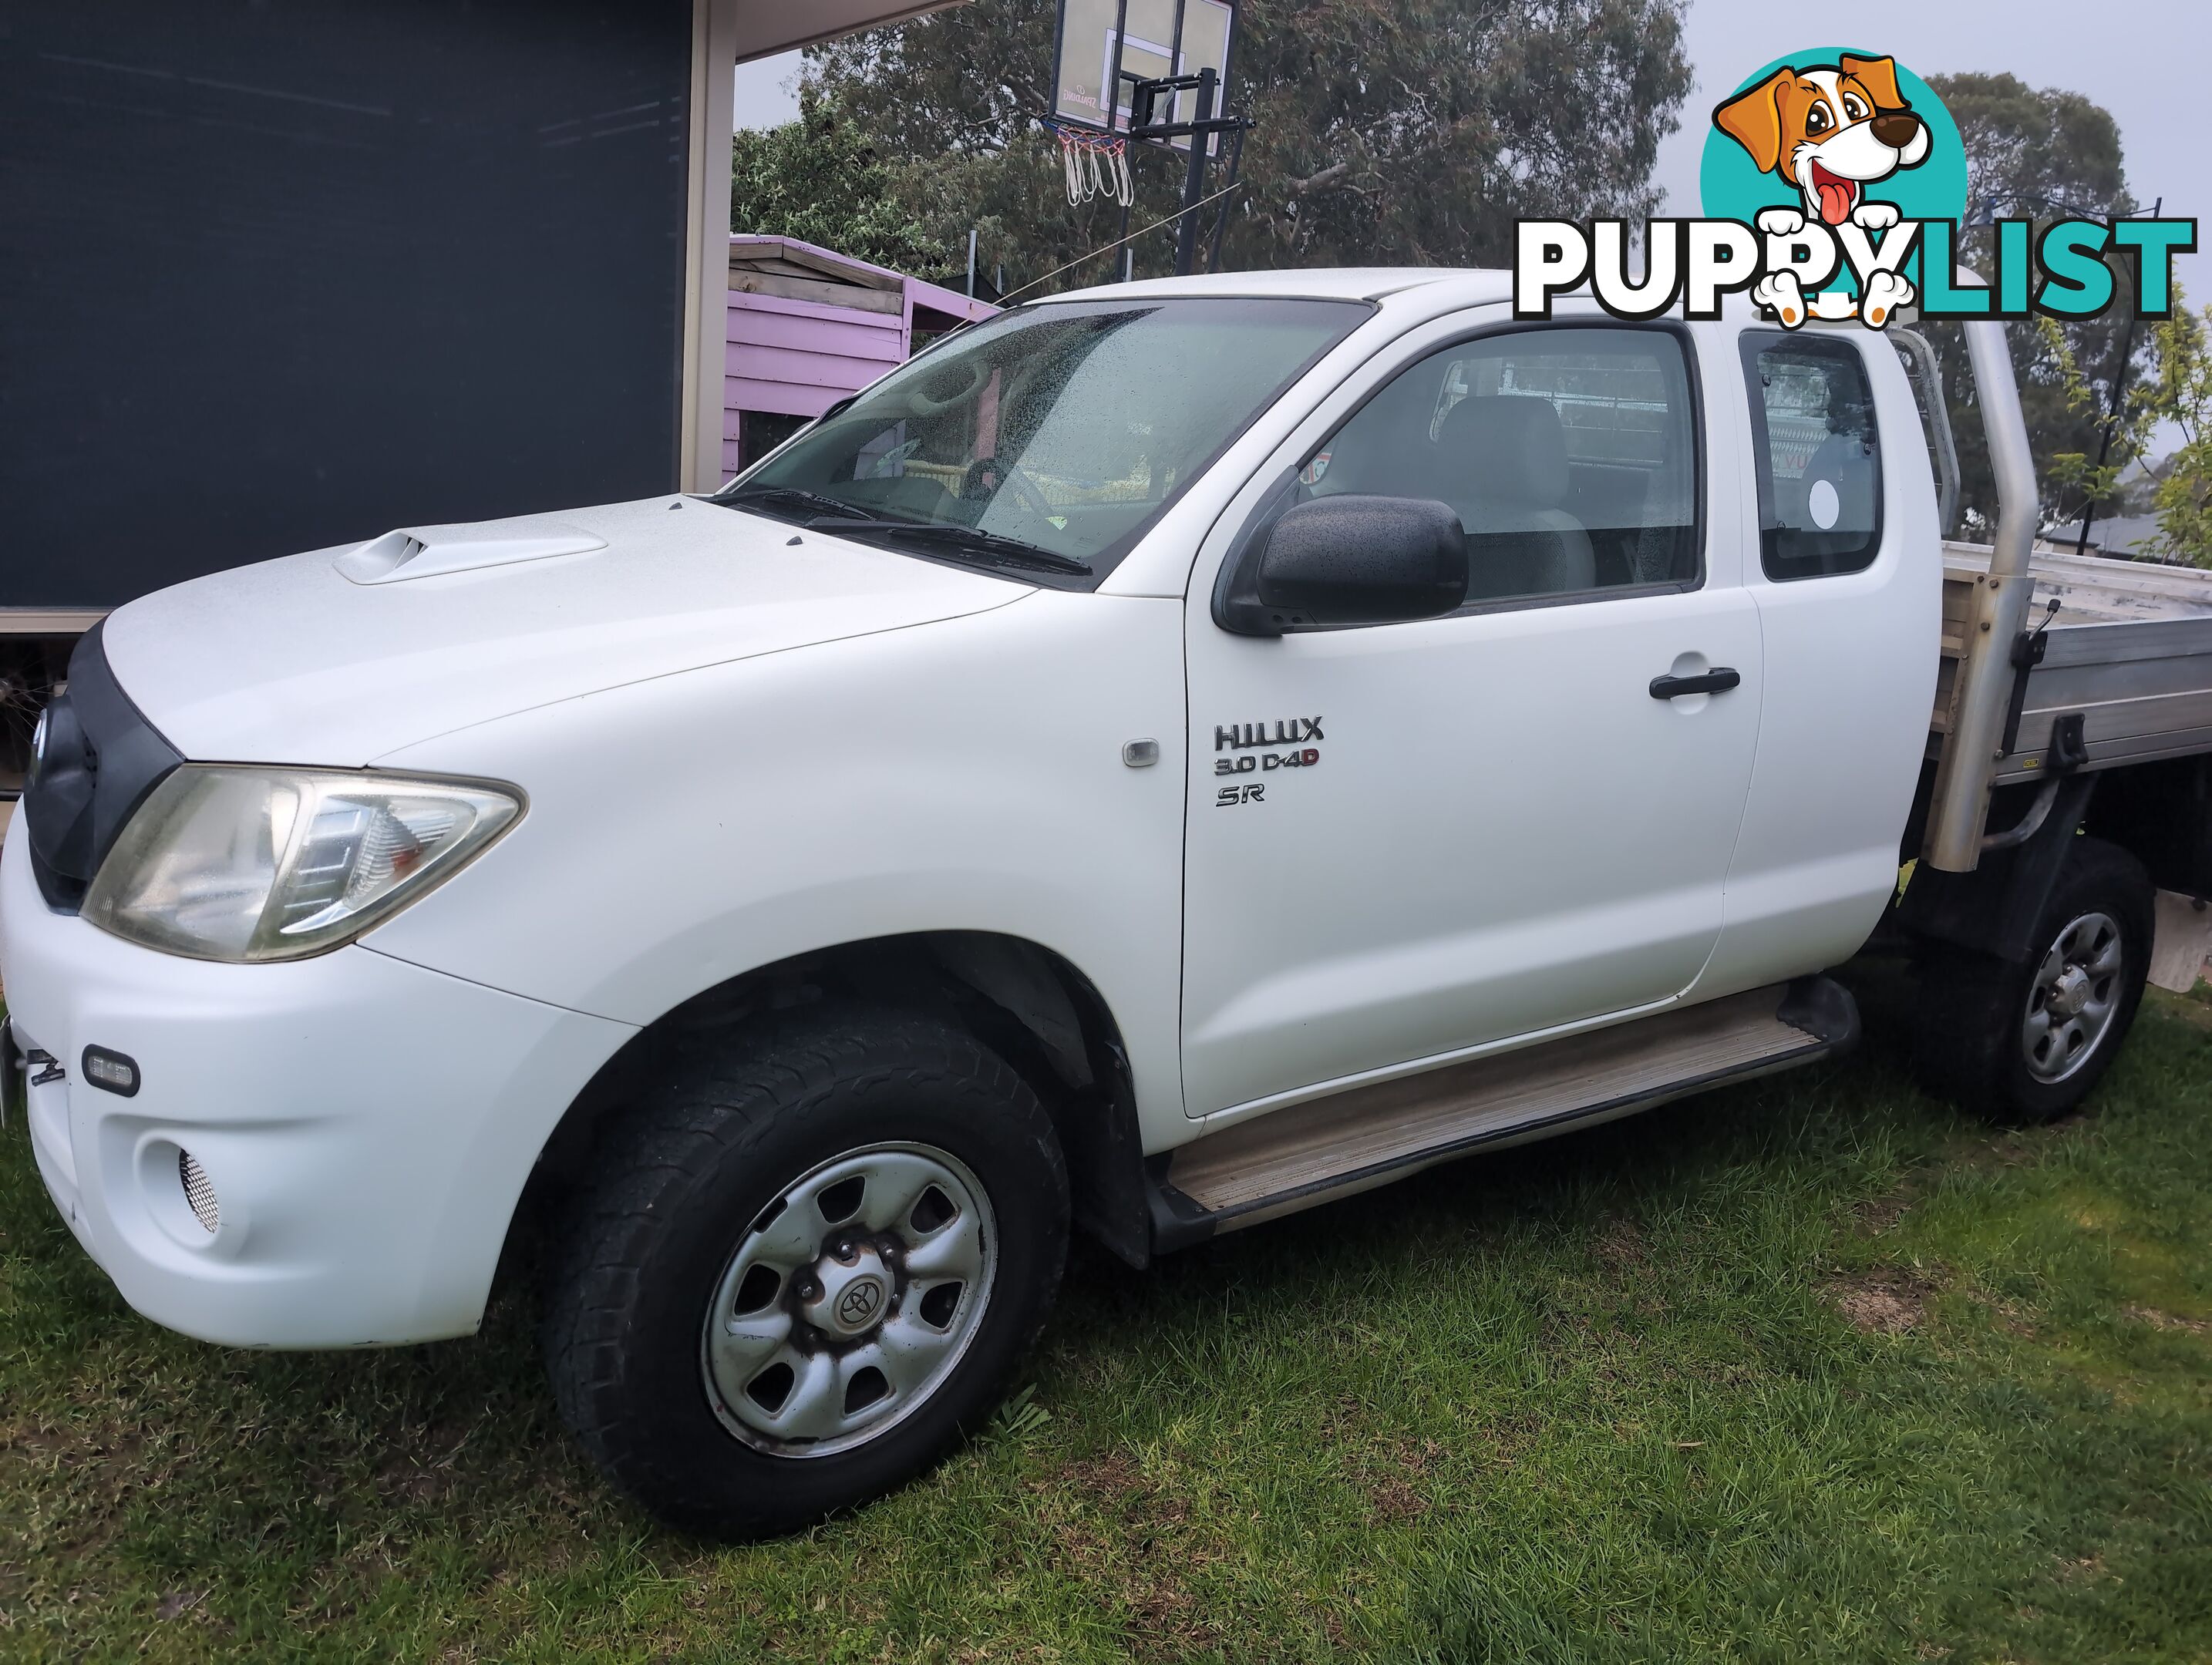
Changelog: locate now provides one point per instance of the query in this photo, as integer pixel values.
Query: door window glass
(1569, 456)
(1818, 460)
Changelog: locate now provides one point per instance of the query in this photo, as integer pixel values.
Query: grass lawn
(1810, 1369)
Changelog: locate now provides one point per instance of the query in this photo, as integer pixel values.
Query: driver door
(1408, 842)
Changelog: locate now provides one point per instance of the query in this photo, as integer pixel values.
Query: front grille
(197, 1191)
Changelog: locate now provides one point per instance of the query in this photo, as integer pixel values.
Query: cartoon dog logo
(1830, 130)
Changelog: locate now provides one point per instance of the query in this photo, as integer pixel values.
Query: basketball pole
(1114, 107)
(1221, 219)
(1194, 178)
(1200, 132)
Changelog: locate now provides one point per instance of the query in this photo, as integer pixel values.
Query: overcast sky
(768, 90)
(2142, 60)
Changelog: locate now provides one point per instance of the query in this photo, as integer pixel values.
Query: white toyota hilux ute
(1164, 758)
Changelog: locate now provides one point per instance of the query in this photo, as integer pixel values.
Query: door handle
(1719, 680)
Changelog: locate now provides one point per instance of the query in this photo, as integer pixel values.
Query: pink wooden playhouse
(808, 325)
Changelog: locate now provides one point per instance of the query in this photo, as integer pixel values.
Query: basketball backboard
(1146, 39)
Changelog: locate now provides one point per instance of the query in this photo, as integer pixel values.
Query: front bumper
(366, 1126)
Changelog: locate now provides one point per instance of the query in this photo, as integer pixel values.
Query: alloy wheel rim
(2074, 997)
(850, 1300)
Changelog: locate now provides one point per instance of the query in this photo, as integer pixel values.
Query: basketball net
(1095, 165)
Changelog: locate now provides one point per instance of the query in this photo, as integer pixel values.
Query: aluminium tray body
(2130, 649)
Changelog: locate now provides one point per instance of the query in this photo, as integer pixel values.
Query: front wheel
(2026, 1043)
(805, 1270)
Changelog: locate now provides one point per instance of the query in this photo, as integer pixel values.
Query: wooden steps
(1287, 1159)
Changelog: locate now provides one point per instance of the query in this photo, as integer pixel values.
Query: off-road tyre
(1970, 1040)
(681, 1181)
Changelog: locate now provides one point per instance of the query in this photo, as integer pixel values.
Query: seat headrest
(1512, 447)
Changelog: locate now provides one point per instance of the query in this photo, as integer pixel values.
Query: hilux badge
(1286, 732)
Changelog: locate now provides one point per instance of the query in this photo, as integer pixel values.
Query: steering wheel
(923, 403)
(977, 486)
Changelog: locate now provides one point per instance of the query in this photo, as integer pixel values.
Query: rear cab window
(1816, 455)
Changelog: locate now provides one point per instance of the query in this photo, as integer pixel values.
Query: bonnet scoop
(429, 551)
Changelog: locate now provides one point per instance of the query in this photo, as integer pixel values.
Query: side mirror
(1348, 559)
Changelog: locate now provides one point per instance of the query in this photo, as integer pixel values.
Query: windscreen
(1064, 428)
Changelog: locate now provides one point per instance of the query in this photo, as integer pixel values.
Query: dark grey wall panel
(277, 275)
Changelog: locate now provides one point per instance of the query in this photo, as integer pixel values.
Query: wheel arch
(1029, 1004)
(1993, 910)
(2160, 812)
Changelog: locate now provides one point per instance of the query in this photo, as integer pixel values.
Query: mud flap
(2183, 942)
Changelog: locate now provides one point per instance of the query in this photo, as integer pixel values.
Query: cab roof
(1319, 283)
(1446, 287)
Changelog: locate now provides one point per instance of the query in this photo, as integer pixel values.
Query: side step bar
(1277, 1163)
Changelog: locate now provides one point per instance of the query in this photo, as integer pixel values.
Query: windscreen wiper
(796, 499)
(971, 541)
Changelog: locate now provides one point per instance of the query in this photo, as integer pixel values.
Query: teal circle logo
(1828, 132)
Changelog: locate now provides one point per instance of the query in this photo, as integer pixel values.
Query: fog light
(110, 1070)
(198, 1192)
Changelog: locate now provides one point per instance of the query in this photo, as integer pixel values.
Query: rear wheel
(804, 1270)
(2027, 1043)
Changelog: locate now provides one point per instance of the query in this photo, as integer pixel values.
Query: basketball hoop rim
(1080, 132)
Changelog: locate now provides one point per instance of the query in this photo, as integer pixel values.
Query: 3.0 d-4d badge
(1287, 731)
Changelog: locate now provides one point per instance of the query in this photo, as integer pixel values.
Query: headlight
(247, 864)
